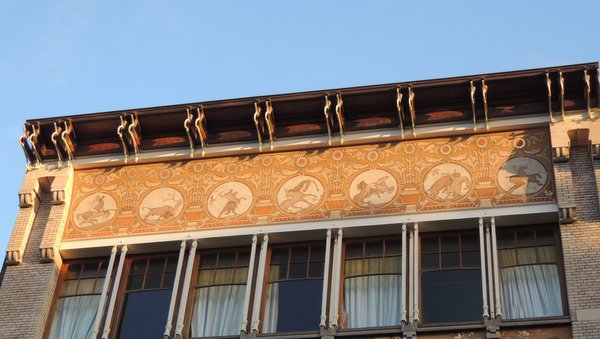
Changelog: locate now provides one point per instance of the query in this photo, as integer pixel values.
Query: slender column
(490, 273)
(244, 327)
(175, 289)
(411, 273)
(186, 289)
(113, 295)
(486, 313)
(495, 268)
(111, 263)
(335, 280)
(404, 277)
(416, 270)
(325, 280)
(260, 276)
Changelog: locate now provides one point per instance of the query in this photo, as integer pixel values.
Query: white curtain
(271, 309)
(218, 310)
(531, 291)
(74, 318)
(373, 300)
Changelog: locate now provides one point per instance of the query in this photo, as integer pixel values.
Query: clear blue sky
(73, 57)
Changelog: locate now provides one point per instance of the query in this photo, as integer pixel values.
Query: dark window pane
(430, 261)
(243, 259)
(89, 270)
(297, 270)
(138, 266)
(278, 272)
(168, 280)
(505, 239)
(172, 264)
(471, 259)
(525, 238)
(73, 271)
(429, 245)
(393, 247)
(315, 270)
(450, 243)
(470, 242)
(374, 249)
(280, 255)
(153, 281)
(103, 268)
(135, 282)
(299, 305)
(208, 260)
(354, 250)
(317, 253)
(545, 236)
(450, 260)
(299, 254)
(226, 259)
(156, 265)
(145, 315)
(451, 296)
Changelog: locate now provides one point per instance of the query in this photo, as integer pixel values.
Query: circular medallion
(198, 167)
(445, 149)
(229, 200)
(337, 155)
(481, 142)
(132, 172)
(447, 182)
(300, 194)
(164, 174)
(232, 168)
(161, 205)
(94, 211)
(372, 155)
(100, 179)
(519, 143)
(373, 188)
(409, 148)
(267, 161)
(522, 176)
(301, 162)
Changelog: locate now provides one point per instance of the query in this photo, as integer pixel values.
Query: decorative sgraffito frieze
(393, 178)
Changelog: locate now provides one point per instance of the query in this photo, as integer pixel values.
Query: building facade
(451, 208)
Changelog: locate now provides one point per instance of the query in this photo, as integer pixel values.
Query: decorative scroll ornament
(63, 140)
(187, 125)
(201, 129)
(588, 92)
(270, 119)
(339, 112)
(561, 82)
(549, 92)
(484, 90)
(400, 110)
(54, 137)
(328, 117)
(121, 133)
(195, 127)
(411, 106)
(68, 138)
(473, 91)
(130, 133)
(258, 122)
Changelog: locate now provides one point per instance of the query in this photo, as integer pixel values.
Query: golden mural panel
(393, 178)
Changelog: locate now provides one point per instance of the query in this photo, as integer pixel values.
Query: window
(529, 270)
(295, 287)
(372, 283)
(219, 294)
(451, 278)
(78, 300)
(147, 297)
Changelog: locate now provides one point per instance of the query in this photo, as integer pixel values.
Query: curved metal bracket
(68, 139)
(549, 92)
(400, 110)
(473, 91)
(258, 123)
(561, 82)
(28, 154)
(33, 144)
(588, 92)
(270, 119)
(121, 133)
(328, 117)
(54, 137)
(411, 107)
(134, 132)
(187, 123)
(201, 129)
(339, 112)
(484, 90)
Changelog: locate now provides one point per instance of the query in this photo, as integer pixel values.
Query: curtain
(218, 310)
(74, 318)
(531, 291)
(271, 309)
(373, 300)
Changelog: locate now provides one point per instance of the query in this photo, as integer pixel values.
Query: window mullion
(169, 325)
(113, 254)
(494, 255)
(490, 273)
(186, 288)
(483, 270)
(416, 270)
(404, 277)
(249, 278)
(335, 280)
(411, 273)
(262, 261)
(113, 295)
(325, 280)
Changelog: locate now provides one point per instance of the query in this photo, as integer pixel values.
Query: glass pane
(169, 280)
(299, 254)
(224, 276)
(278, 272)
(86, 286)
(280, 255)
(315, 270)
(208, 260)
(354, 250)
(90, 270)
(545, 236)
(317, 253)
(156, 265)
(430, 261)
(450, 260)
(393, 265)
(135, 282)
(145, 315)
(507, 257)
(373, 266)
(470, 242)
(73, 271)
(153, 281)
(525, 238)
(546, 254)
(471, 259)
(205, 277)
(241, 275)
(526, 256)
(103, 268)
(459, 288)
(450, 243)
(172, 264)
(99, 285)
(138, 266)
(226, 259)
(69, 287)
(429, 244)
(353, 267)
(243, 259)
(505, 239)
(297, 270)
(393, 247)
(296, 306)
(374, 249)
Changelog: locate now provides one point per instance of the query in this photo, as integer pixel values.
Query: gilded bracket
(588, 92)
(400, 110)
(270, 119)
(121, 133)
(187, 125)
(411, 106)
(561, 81)
(473, 91)
(484, 90)
(68, 138)
(328, 117)
(201, 129)
(549, 92)
(258, 122)
(339, 112)
(135, 133)
(54, 137)
(29, 158)
(29, 143)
